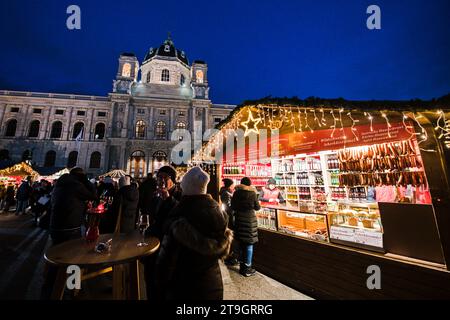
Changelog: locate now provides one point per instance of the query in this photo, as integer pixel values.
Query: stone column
(151, 130)
(68, 125)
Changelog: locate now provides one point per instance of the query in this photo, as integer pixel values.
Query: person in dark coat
(68, 205)
(244, 203)
(23, 196)
(128, 196)
(187, 266)
(146, 193)
(226, 193)
(166, 197)
(9, 199)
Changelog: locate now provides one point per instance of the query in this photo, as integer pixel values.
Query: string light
(334, 124)
(316, 119)
(299, 118)
(387, 123)
(369, 116)
(354, 122)
(323, 120)
(342, 125)
(306, 121)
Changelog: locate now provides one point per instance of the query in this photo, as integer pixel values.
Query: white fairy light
(306, 121)
(369, 116)
(387, 123)
(315, 118)
(353, 129)
(323, 120)
(334, 124)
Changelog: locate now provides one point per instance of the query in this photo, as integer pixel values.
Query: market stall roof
(115, 174)
(52, 173)
(21, 169)
(49, 171)
(361, 105)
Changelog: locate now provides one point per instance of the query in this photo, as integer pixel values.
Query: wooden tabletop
(79, 252)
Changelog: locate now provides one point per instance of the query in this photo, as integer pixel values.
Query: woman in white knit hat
(187, 266)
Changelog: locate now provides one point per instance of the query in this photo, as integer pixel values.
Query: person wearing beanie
(271, 194)
(244, 203)
(187, 265)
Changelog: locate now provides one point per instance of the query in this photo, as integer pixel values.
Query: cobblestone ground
(22, 246)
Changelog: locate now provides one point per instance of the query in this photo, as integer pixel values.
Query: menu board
(359, 236)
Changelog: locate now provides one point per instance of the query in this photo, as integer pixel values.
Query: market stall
(348, 176)
(114, 174)
(17, 172)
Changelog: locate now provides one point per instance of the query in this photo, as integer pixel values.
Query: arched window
(95, 161)
(26, 155)
(50, 158)
(140, 129)
(165, 75)
(126, 70)
(99, 131)
(33, 130)
(4, 154)
(11, 127)
(56, 130)
(160, 130)
(137, 164)
(78, 130)
(182, 80)
(72, 160)
(148, 76)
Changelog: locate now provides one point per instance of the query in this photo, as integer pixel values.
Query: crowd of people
(26, 197)
(194, 230)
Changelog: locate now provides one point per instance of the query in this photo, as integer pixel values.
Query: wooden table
(123, 261)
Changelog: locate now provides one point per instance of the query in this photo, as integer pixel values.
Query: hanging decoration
(369, 116)
(306, 121)
(354, 122)
(251, 125)
(334, 124)
(383, 114)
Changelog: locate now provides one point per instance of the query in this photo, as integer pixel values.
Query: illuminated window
(181, 125)
(140, 129)
(126, 70)
(160, 130)
(165, 75)
(199, 76)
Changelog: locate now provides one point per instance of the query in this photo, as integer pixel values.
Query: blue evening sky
(253, 48)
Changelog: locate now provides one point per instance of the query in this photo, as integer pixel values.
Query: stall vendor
(271, 193)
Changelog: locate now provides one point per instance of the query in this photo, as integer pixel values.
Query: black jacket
(129, 197)
(24, 192)
(187, 266)
(244, 203)
(68, 202)
(146, 194)
(160, 210)
(225, 198)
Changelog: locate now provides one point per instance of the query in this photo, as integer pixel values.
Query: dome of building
(168, 50)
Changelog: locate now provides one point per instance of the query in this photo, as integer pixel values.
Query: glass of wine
(144, 223)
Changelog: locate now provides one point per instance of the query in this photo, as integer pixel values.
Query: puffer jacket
(244, 203)
(187, 265)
